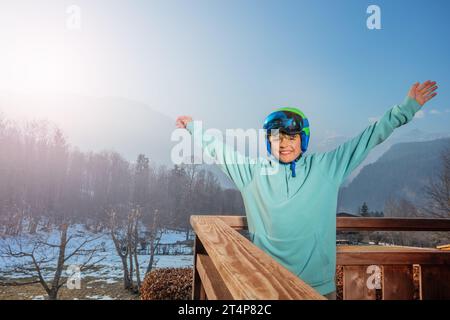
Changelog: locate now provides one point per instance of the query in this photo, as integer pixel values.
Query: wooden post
(435, 282)
(198, 292)
(355, 284)
(398, 282)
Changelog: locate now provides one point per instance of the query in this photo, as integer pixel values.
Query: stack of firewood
(339, 283)
(167, 284)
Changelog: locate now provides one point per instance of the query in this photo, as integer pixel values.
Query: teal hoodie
(293, 219)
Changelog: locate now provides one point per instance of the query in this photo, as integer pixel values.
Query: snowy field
(108, 270)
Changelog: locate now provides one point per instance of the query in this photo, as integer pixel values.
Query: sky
(230, 63)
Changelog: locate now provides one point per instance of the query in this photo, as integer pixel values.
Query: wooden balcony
(228, 266)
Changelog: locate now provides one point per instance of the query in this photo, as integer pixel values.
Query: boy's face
(286, 148)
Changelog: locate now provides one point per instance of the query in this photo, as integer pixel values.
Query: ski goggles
(285, 122)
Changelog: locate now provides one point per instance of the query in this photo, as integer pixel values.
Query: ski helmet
(290, 121)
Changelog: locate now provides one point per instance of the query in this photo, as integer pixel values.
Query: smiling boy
(291, 214)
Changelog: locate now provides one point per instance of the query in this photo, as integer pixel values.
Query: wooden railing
(397, 264)
(228, 266)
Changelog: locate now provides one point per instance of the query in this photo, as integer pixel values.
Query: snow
(107, 281)
(110, 281)
(99, 297)
(108, 270)
(172, 236)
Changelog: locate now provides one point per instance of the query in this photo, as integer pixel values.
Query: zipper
(286, 171)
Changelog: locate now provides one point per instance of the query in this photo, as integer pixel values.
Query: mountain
(400, 135)
(401, 172)
(99, 123)
(103, 123)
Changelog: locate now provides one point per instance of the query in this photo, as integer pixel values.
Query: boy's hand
(182, 121)
(423, 92)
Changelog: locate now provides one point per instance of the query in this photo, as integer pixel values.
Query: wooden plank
(236, 222)
(361, 224)
(435, 282)
(364, 224)
(213, 284)
(358, 255)
(197, 289)
(398, 282)
(378, 248)
(202, 293)
(247, 271)
(392, 224)
(355, 284)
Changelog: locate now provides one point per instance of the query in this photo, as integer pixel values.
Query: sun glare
(42, 67)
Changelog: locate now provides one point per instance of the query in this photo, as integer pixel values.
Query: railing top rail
(365, 224)
(392, 224)
(390, 255)
(247, 271)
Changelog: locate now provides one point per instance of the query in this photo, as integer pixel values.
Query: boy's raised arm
(345, 158)
(235, 165)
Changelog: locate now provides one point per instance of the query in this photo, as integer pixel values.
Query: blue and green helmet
(289, 121)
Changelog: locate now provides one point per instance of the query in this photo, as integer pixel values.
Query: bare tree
(437, 192)
(134, 243)
(125, 235)
(121, 248)
(154, 233)
(191, 174)
(34, 257)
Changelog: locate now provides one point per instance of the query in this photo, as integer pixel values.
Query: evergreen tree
(364, 211)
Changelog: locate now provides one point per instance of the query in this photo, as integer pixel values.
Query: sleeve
(236, 166)
(345, 158)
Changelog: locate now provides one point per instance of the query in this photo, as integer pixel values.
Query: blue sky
(230, 63)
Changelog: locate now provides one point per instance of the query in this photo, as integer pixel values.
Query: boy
(291, 214)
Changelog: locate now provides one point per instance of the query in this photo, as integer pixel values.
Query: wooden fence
(228, 266)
